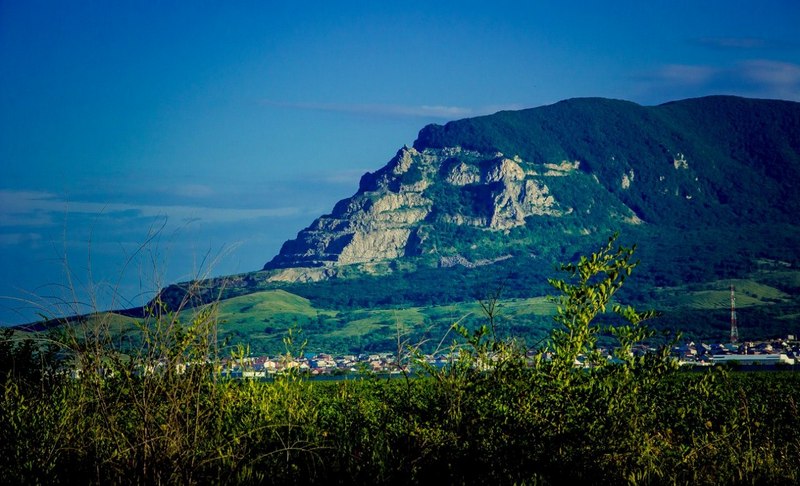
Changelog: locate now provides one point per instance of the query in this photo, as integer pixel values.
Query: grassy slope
(263, 318)
(716, 295)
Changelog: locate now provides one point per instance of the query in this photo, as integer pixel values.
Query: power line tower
(734, 329)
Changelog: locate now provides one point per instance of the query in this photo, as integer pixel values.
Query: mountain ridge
(681, 164)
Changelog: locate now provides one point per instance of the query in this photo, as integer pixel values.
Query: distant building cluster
(312, 364)
(750, 353)
(764, 353)
(769, 354)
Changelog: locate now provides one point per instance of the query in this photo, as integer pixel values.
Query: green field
(263, 318)
(716, 295)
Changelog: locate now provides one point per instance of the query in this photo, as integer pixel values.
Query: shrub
(154, 408)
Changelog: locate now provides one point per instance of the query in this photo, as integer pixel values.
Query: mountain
(582, 165)
(707, 188)
(400, 209)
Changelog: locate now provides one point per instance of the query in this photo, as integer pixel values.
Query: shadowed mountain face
(486, 189)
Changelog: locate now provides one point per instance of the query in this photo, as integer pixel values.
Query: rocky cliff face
(398, 205)
(373, 225)
(516, 182)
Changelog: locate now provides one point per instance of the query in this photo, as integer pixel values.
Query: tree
(596, 278)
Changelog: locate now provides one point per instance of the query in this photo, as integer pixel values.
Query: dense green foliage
(161, 413)
(743, 154)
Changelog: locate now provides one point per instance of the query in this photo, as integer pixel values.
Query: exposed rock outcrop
(504, 170)
(449, 186)
(516, 201)
(462, 174)
(458, 260)
(373, 225)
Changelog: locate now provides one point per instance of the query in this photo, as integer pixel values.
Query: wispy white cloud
(684, 74)
(344, 177)
(29, 239)
(389, 110)
(193, 190)
(761, 78)
(781, 77)
(31, 208)
(732, 43)
(25, 208)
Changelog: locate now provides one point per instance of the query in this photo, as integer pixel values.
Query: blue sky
(195, 137)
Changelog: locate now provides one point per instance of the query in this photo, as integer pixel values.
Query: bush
(498, 413)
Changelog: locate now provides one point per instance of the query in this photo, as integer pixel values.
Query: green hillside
(262, 319)
(701, 310)
(706, 188)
